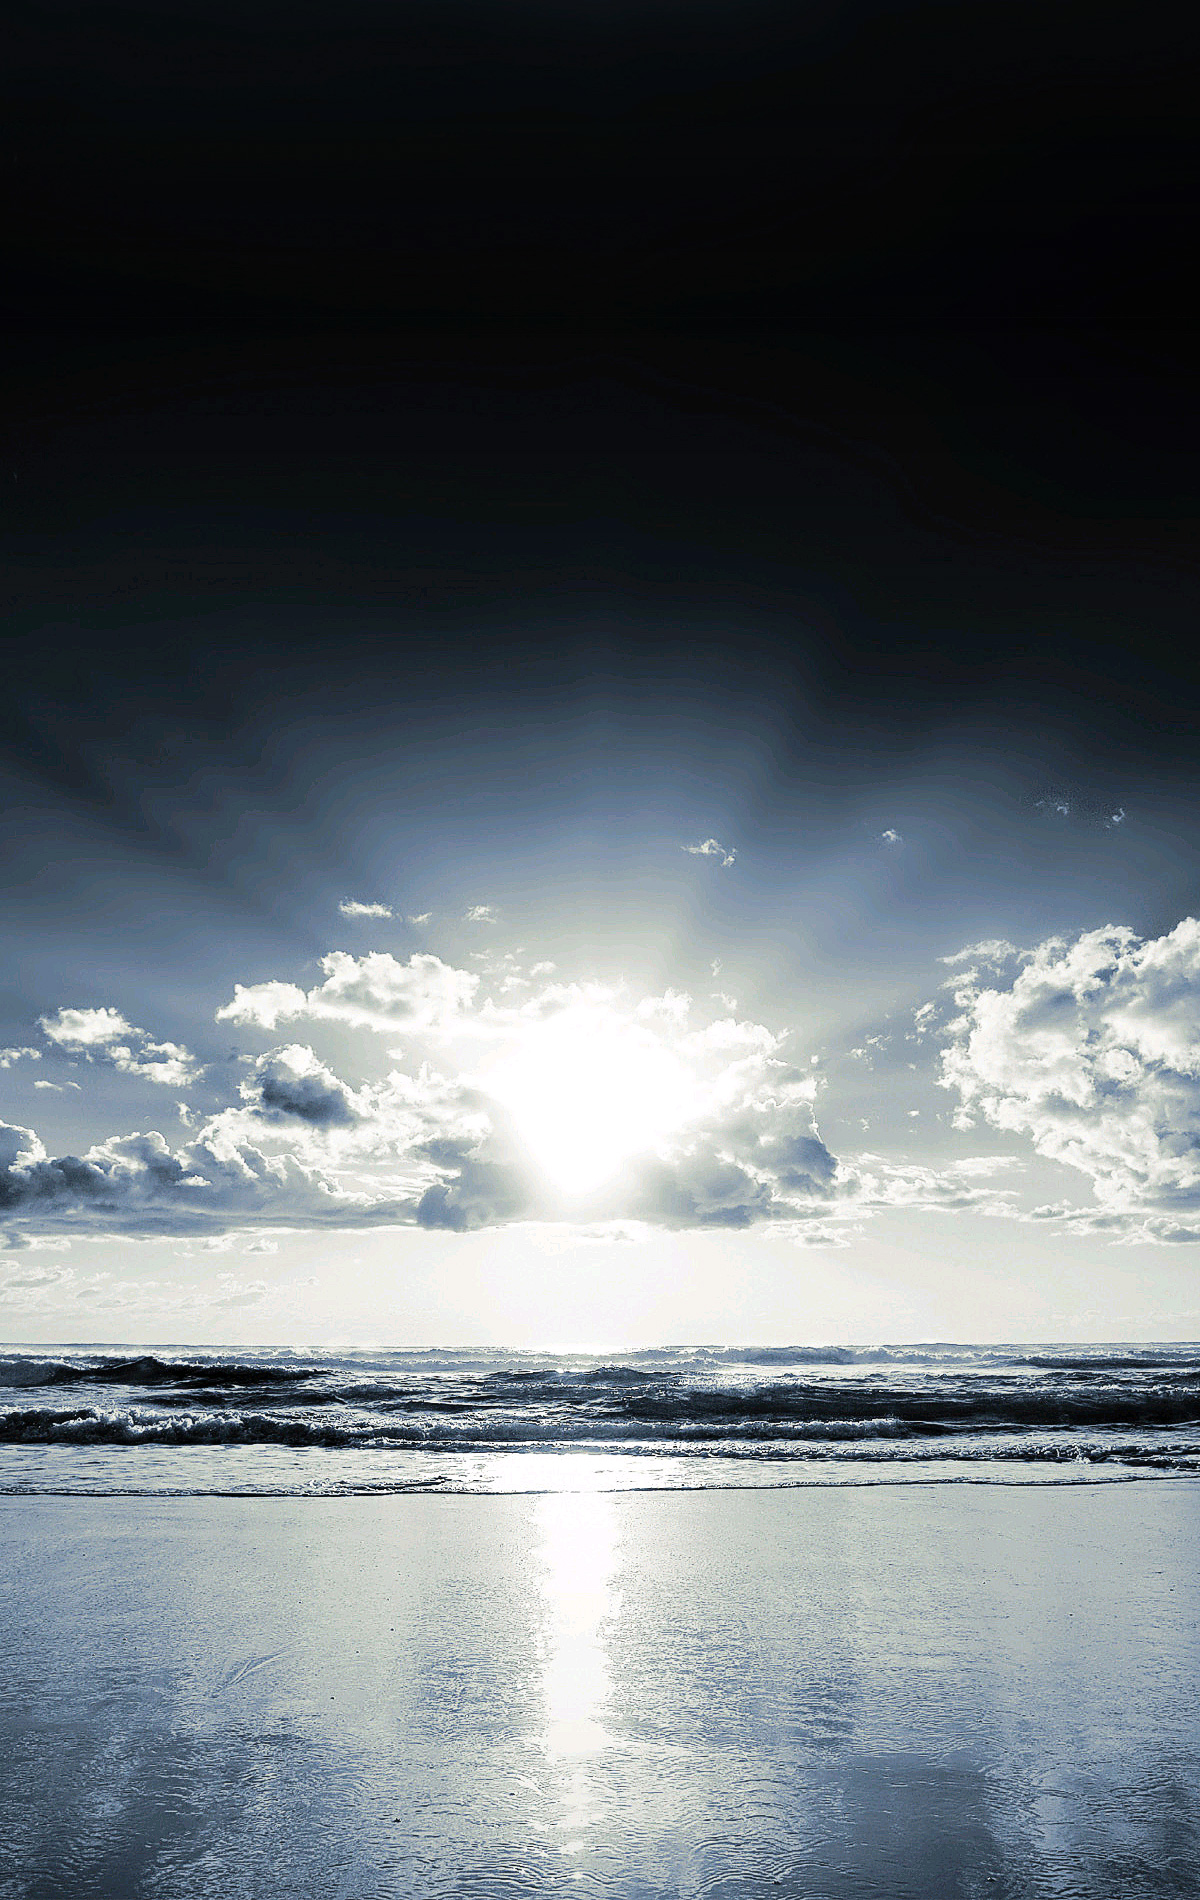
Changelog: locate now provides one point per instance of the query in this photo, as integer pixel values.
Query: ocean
(121, 1420)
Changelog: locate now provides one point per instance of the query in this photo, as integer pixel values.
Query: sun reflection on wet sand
(578, 1555)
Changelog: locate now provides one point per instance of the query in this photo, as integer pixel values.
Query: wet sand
(951, 1690)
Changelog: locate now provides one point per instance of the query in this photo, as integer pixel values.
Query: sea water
(182, 1420)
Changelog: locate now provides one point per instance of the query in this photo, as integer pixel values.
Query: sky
(598, 734)
(601, 840)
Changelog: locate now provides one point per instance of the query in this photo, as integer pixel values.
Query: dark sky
(857, 533)
(604, 160)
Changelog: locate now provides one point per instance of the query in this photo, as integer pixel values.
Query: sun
(588, 1089)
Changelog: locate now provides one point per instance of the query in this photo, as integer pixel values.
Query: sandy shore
(939, 1691)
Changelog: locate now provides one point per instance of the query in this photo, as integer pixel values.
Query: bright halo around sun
(587, 1090)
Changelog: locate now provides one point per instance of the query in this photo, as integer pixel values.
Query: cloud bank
(458, 1141)
(517, 1097)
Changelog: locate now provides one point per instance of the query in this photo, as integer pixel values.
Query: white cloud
(1116, 818)
(711, 849)
(994, 951)
(350, 907)
(480, 914)
(423, 917)
(923, 1021)
(890, 837)
(673, 1006)
(371, 992)
(9, 1056)
(104, 1035)
(87, 1028)
(1093, 1051)
(872, 1184)
(870, 1047)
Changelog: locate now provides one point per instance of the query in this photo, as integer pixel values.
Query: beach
(926, 1690)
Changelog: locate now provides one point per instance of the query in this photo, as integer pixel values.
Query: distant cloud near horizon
(711, 849)
(350, 907)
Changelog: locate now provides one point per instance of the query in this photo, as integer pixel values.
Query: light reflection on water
(844, 1694)
(578, 1558)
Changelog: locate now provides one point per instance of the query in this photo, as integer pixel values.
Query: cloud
(890, 837)
(673, 1006)
(994, 951)
(711, 849)
(423, 917)
(480, 914)
(292, 1084)
(1093, 1051)
(870, 1047)
(137, 1184)
(477, 1193)
(923, 1021)
(350, 907)
(9, 1056)
(104, 1035)
(87, 1028)
(298, 1146)
(872, 1184)
(371, 992)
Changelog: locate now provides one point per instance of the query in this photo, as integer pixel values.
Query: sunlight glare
(587, 1091)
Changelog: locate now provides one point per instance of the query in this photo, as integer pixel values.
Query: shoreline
(842, 1475)
(829, 1691)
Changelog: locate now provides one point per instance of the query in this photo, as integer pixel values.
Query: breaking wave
(1137, 1406)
